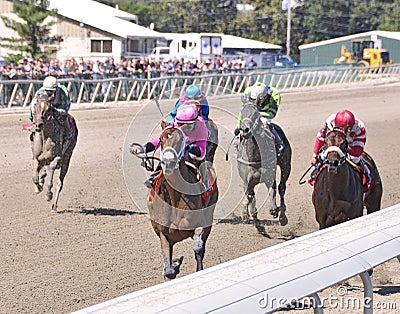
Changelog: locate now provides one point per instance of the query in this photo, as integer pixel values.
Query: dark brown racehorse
(50, 149)
(338, 189)
(177, 208)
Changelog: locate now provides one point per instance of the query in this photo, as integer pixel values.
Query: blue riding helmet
(193, 91)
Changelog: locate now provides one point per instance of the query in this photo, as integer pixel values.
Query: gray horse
(257, 162)
(49, 148)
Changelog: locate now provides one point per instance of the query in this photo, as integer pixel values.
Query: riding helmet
(50, 83)
(344, 118)
(186, 114)
(193, 91)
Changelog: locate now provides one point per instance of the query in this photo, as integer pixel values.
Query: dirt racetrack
(99, 245)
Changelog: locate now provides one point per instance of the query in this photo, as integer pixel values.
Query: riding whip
(302, 182)
(158, 106)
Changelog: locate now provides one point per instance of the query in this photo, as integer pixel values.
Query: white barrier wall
(261, 282)
(18, 93)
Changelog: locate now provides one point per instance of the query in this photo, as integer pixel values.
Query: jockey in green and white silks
(59, 98)
(267, 100)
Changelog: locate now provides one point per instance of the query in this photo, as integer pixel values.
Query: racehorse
(50, 149)
(338, 188)
(178, 210)
(257, 163)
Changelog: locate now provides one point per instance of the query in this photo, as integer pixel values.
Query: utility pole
(286, 5)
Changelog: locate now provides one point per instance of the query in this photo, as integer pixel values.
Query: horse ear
(163, 124)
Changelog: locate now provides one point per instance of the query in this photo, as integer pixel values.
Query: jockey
(59, 98)
(192, 93)
(267, 100)
(196, 141)
(356, 137)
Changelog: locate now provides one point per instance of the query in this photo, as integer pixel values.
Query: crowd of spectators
(29, 68)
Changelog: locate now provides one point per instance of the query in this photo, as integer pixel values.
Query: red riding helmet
(344, 119)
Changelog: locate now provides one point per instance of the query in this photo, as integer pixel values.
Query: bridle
(339, 150)
(251, 123)
(45, 114)
(170, 157)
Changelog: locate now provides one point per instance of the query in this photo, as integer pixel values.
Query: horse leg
(60, 182)
(52, 167)
(273, 208)
(198, 247)
(285, 172)
(167, 250)
(37, 166)
(282, 208)
(245, 208)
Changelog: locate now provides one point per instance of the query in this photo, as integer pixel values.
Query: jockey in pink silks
(196, 141)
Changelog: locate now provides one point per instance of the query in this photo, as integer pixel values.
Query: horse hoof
(49, 196)
(283, 220)
(38, 189)
(169, 273)
(274, 212)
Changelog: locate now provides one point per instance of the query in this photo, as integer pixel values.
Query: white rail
(274, 277)
(18, 93)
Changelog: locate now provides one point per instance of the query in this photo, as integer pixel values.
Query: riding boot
(367, 172)
(150, 180)
(280, 145)
(314, 173)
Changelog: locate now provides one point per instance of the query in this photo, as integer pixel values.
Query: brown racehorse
(178, 210)
(338, 189)
(49, 148)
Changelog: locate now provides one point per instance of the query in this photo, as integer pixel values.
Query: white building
(92, 30)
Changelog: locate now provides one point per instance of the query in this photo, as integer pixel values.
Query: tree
(33, 28)
(185, 16)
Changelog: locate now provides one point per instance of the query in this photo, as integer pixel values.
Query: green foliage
(33, 28)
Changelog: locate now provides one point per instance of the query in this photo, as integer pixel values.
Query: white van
(160, 52)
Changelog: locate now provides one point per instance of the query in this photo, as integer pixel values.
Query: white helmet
(50, 83)
(256, 90)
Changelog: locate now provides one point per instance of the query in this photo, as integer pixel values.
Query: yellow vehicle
(364, 54)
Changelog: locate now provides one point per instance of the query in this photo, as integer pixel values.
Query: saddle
(204, 196)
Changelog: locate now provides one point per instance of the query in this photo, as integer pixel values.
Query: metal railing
(278, 276)
(19, 93)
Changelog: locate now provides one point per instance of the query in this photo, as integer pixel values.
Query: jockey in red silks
(356, 137)
(196, 141)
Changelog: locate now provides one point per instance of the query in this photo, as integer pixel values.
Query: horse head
(335, 149)
(251, 120)
(42, 112)
(173, 142)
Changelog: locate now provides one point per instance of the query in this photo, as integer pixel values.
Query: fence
(19, 93)
(278, 276)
